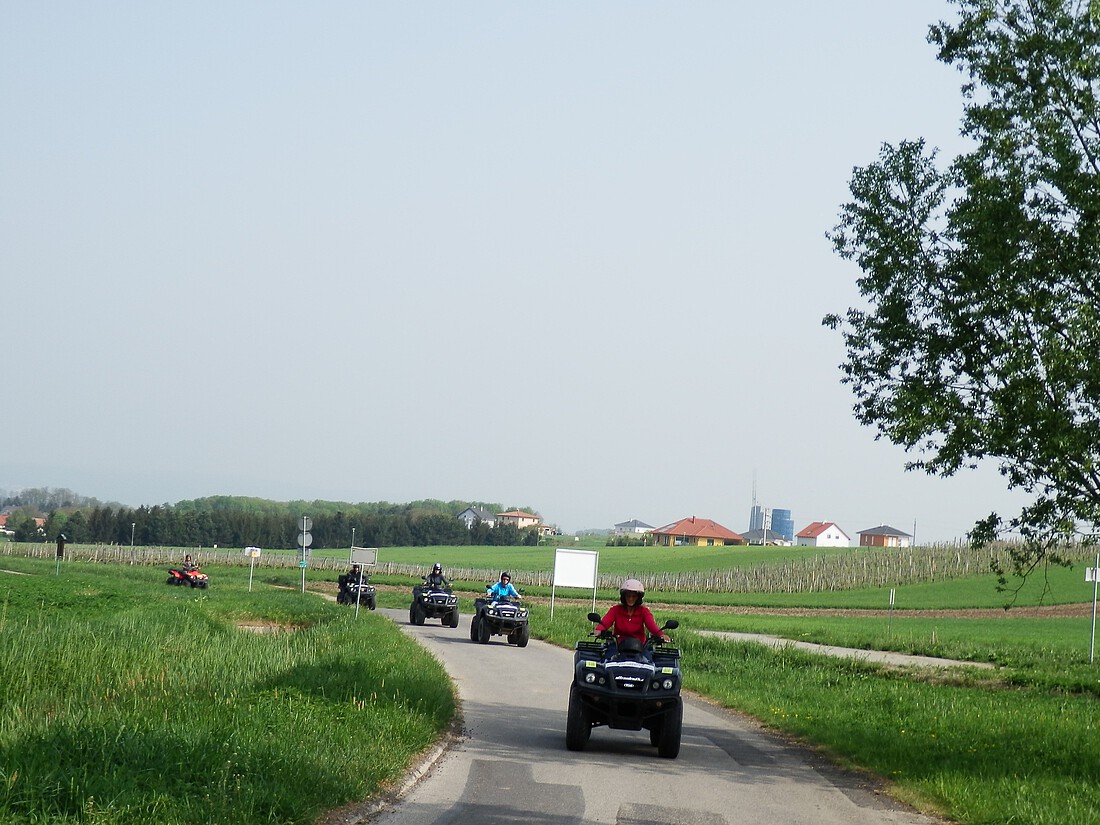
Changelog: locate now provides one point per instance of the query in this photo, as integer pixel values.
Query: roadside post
(305, 539)
(61, 539)
(363, 556)
(890, 621)
(1092, 574)
(253, 553)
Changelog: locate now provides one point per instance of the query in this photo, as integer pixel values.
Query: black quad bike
(626, 686)
(433, 603)
(353, 592)
(499, 617)
(180, 577)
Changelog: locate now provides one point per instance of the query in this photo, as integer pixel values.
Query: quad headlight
(663, 684)
(590, 678)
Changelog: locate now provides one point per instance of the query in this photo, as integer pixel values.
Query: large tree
(980, 338)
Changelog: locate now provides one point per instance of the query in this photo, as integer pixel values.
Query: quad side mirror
(671, 624)
(594, 617)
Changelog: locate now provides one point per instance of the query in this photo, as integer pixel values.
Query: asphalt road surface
(510, 764)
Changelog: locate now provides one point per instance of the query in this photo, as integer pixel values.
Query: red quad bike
(194, 577)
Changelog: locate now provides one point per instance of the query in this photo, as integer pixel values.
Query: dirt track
(1051, 611)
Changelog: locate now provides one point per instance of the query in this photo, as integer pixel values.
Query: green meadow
(127, 702)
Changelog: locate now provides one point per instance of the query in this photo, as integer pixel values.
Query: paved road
(510, 764)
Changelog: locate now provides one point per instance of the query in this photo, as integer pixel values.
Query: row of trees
(239, 522)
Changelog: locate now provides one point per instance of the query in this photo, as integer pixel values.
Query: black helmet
(438, 568)
(504, 574)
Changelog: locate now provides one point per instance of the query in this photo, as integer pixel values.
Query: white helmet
(631, 586)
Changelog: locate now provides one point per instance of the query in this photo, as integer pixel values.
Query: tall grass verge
(125, 701)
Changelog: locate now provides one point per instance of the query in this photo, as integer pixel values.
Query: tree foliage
(237, 521)
(981, 336)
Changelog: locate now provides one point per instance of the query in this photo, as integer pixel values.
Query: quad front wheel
(521, 636)
(483, 633)
(452, 618)
(577, 727)
(668, 740)
(473, 628)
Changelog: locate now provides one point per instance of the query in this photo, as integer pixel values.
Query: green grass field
(123, 700)
(104, 666)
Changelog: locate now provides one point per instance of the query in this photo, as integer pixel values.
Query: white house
(632, 526)
(473, 515)
(822, 534)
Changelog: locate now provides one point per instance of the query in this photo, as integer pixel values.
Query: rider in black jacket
(436, 580)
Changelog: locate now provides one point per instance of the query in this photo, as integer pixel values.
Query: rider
(436, 580)
(630, 619)
(503, 589)
(353, 575)
(188, 564)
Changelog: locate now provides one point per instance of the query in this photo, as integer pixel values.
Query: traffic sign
(305, 524)
(305, 539)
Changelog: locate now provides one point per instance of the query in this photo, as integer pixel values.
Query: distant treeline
(235, 521)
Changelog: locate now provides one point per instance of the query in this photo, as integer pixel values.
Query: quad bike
(626, 686)
(180, 576)
(433, 603)
(353, 592)
(499, 617)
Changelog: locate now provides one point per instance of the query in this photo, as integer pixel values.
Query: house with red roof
(518, 518)
(696, 532)
(822, 534)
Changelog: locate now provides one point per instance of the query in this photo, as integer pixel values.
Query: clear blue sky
(569, 255)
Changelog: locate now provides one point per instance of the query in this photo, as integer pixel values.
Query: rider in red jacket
(630, 618)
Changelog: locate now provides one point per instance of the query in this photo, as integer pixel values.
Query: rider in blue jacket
(503, 589)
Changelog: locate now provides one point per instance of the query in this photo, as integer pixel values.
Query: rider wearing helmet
(436, 580)
(630, 619)
(503, 589)
(351, 577)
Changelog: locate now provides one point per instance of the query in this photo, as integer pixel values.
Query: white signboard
(575, 568)
(1091, 574)
(252, 552)
(364, 555)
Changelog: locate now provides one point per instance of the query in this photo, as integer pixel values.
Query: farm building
(697, 532)
(822, 534)
(884, 536)
(626, 528)
(518, 518)
(765, 536)
(475, 515)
